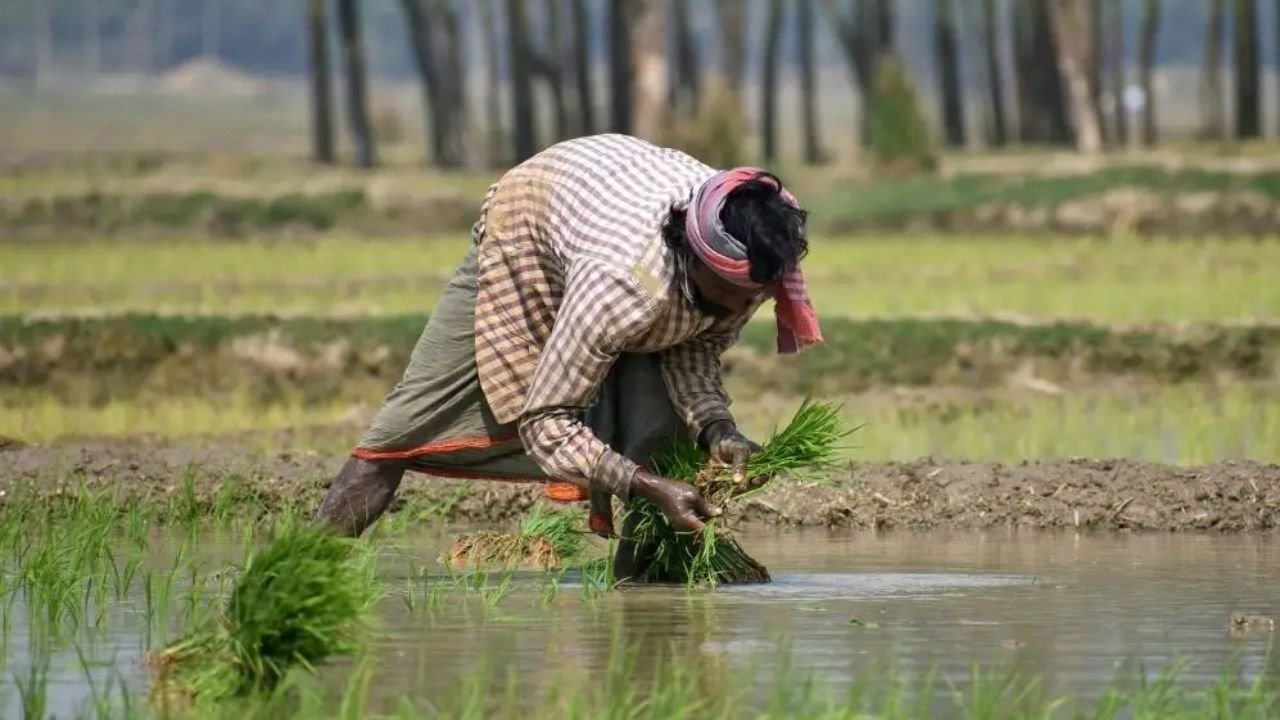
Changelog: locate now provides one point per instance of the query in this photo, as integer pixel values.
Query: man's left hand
(729, 446)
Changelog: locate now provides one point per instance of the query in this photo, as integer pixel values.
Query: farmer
(584, 330)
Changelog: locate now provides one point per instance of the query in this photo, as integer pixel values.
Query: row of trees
(1069, 71)
(1041, 71)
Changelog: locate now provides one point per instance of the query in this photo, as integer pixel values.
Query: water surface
(1075, 609)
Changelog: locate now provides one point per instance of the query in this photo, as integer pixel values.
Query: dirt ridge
(928, 493)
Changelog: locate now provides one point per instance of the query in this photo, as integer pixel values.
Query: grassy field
(1112, 281)
(1189, 424)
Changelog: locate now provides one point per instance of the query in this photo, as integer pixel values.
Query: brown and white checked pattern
(573, 271)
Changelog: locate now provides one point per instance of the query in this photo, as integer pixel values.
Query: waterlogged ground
(1080, 611)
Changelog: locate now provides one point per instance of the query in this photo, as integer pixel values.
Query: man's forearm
(566, 449)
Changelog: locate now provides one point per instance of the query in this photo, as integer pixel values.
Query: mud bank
(924, 494)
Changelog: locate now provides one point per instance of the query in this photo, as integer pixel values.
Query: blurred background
(1039, 227)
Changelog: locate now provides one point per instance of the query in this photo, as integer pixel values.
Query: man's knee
(360, 493)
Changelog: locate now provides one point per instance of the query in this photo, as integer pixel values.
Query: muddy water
(1074, 609)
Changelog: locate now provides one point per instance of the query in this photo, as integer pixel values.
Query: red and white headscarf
(727, 257)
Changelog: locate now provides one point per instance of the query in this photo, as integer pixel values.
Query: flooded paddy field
(1062, 488)
(895, 617)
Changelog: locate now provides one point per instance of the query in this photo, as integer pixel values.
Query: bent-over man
(583, 331)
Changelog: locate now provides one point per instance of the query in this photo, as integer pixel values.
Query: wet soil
(923, 494)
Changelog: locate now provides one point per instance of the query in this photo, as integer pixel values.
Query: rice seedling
(807, 445)
(545, 540)
(34, 688)
(303, 597)
(491, 595)
(550, 588)
(122, 578)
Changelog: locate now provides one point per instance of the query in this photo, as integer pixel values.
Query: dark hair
(755, 213)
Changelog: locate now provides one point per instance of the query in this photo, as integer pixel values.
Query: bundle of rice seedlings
(712, 556)
(546, 540)
(303, 597)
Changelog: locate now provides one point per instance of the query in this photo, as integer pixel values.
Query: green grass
(46, 419)
(852, 202)
(1118, 281)
(1190, 424)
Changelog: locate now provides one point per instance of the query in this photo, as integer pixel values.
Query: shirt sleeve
(692, 371)
(601, 310)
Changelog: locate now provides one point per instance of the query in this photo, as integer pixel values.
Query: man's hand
(730, 447)
(680, 502)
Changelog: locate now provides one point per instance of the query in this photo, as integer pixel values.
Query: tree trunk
(733, 42)
(526, 129)
(769, 96)
(1146, 68)
(496, 147)
(164, 34)
(1097, 63)
(1042, 99)
(686, 83)
(432, 27)
(356, 82)
(948, 64)
(424, 61)
(865, 35)
(1212, 117)
(142, 37)
(93, 36)
(454, 154)
(1248, 85)
(995, 78)
(649, 63)
(321, 83)
(546, 63)
(555, 59)
(1074, 30)
(582, 67)
(886, 24)
(1116, 70)
(813, 152)
(620, 71)
(210, 28)
(42, 39)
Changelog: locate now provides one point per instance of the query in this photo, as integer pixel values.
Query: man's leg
(360, 493)
(635, 416)
(438, 397)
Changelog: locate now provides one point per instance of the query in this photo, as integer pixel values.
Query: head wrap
(727, 257)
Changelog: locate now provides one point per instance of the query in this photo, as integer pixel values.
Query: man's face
(716, 296)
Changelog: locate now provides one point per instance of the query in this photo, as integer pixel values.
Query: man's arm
(600, 311)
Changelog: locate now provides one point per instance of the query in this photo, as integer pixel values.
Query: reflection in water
(1075, 609)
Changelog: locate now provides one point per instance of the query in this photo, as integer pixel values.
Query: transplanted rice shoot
(546, 540)
(301, 598)
(808, 443)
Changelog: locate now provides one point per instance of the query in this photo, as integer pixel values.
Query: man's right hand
(683, 505)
